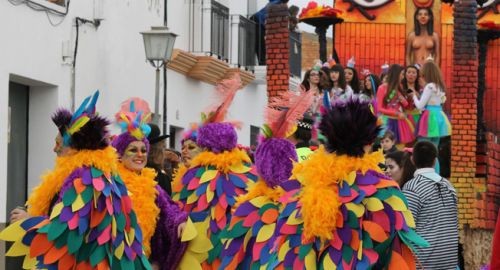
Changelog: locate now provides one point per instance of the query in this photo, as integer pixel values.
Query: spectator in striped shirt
(433, 203)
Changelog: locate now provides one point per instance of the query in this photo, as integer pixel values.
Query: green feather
(95, 172)
(56, 229)
(120, 222)
(125, 263)
(87, 194)
(104, 223)
(266, 130)
(74, 241)
(237, 231)
(62, 240)
(200, 171)
(304, 250)
(347, 252)
(69, 197)
(98, 255)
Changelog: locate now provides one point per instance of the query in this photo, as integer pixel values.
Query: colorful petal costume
(216, 177)
(347, 214)
(247, 239)
(158, 216)
(84, 217)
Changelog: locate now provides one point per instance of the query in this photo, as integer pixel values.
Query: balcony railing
(209, 28)
(295, 54)
(220, 30)
(246, 41)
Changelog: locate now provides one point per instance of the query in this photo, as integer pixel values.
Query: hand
(155, 266)
(401, 115)
(18, 214)
(180, 229)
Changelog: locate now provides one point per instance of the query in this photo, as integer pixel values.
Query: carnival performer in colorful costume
(160, 218)
(390, 106)
(247, 239)
(217, 175)
(81, 213)
(347, 214)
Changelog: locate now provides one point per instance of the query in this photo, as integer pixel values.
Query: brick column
(463, 106)
(277, 47)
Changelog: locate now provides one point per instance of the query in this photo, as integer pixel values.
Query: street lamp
(158, 43)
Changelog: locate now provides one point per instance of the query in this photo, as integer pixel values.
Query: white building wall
(110, 58)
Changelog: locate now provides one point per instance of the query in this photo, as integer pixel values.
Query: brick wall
(310, 49)
(489, 199)
(277, 48)
(492, 94)
(463, 107)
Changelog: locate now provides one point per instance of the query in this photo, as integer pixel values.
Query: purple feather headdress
(214, 134)
(83, 129)
(274, 155)
(349, 126)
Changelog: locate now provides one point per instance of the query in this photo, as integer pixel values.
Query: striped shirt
(433, 203)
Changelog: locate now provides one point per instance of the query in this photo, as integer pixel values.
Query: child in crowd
(388, 142)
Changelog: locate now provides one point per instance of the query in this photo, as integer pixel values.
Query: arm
(381, 108)
(409, 50)
(166, 247)
(426, 95)
(436, 48)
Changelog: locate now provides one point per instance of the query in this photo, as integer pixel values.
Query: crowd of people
(317, 192)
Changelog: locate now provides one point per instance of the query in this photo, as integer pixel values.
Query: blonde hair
(432, 74)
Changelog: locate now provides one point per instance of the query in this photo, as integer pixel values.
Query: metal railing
(219, 40)
(246, 43)
(295, 54)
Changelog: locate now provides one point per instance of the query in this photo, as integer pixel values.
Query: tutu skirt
(403, 129)
(434, 122)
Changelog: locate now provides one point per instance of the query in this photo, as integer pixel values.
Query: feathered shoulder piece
(134, 121)
(83, 129)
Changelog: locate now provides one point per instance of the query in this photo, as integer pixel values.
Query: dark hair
(424, 154)
(389, 135)
(349, 126)
(305, 81)
(340, 69)
(302, 133)
(404, 82)
(156, 151)
(355, 86)
(374, 82)
(293, 9)
(403, 159)
(91, 136)
(430, 24)
(393, 82)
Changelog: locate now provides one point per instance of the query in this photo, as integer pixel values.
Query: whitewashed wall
(110, 58)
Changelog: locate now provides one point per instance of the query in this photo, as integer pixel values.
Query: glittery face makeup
(135, 156)
(189, 150)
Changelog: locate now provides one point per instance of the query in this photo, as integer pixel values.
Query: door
(17, 157)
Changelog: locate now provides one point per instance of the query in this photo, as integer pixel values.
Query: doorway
(17, 156)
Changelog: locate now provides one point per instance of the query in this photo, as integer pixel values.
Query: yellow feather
(265, 232)
(78, 125)
(18, 249)
(13, 232)
(56, 211)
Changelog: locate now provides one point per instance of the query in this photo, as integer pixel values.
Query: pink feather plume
(226, 90)
(139, 105)
(283, 112)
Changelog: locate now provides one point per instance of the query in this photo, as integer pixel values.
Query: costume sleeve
(166, 247)
(426, 95)
(92, 226)
(414, 203)
(381, 108)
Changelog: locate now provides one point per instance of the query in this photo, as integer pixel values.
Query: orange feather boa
(320, 176)
(39, 201)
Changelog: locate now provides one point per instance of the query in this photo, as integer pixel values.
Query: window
(220, 30)
(246, 42)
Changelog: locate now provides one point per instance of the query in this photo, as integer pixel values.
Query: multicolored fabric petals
(92, 226)
(209, 191)
(373, 229)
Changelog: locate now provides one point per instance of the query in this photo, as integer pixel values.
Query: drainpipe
(165, 126)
